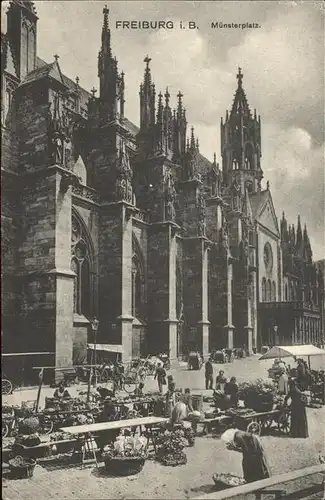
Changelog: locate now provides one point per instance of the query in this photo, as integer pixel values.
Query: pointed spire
(192, 142)
(197, 144)
(299, 237)
(147, 73)
(160, 108)
(214, 159)
(240, 104)
(106, 34)
(167, 97)
(240, 77)
(179, 105)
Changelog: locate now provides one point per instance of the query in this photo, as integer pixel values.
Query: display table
(88, 430)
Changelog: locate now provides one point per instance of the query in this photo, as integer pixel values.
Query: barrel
(197, 400)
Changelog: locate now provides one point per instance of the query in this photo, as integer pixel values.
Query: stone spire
(111, 92)
(147, 98)
(299, 241)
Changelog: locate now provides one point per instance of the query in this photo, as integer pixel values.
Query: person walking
(160, 375)
(209, 374)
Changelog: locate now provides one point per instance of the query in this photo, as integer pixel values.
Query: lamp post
(94, 327)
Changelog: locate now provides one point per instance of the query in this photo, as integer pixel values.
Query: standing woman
(299, 424)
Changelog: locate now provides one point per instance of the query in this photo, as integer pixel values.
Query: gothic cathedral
(134, 226)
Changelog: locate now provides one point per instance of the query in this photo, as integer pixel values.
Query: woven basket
(22, 468)
(124, 466)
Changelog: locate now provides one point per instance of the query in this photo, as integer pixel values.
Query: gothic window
(292, 292)
(249, 155)
(24, 50)
(274, 291)
(286, 292)
(263, 290)
(31, 49)
(81, 266)
(137, 288)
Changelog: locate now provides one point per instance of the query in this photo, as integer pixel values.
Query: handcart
(261, 422)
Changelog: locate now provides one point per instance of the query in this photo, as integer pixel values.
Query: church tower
(241, 144)
(22, 24)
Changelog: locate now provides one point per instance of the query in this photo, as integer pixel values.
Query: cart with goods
(219, 357)
(22, 468)
(195, 361)
(224, 481)
(260, 422)
(127, 456)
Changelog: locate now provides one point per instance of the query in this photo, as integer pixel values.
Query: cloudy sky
(283, 66)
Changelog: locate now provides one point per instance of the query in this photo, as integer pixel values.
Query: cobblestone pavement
(188, 481)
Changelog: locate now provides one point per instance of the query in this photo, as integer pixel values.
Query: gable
(266, 216)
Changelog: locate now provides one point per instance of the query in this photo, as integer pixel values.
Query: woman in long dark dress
(299, 424)
(254, 462)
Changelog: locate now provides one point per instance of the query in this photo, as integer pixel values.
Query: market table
(208, 422)
(88, 429)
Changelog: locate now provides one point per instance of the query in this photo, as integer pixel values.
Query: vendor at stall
(61, 392)
(298, 421)
(231, 390)
(221, 381)
(254, 462)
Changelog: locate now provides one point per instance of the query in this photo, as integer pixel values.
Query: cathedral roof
(257, 200)
(203, 164)
(51, 70)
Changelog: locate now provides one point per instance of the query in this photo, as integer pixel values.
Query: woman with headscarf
(254, 462)
(299, 424)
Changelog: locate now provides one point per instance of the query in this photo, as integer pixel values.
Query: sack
(163, 381)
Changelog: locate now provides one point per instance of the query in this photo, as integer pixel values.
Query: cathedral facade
(133, 225)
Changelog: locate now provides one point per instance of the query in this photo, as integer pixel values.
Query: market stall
(293, 351)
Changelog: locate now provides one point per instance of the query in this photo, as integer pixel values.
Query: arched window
(286, 292)
(249, 157)
(24, 50)
(31, 49)
(138, 281)
(263, 297)
(81, 264)
(268, 291)
(292, 292)
(274, 291)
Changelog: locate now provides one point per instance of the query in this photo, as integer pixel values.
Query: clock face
(268, 257)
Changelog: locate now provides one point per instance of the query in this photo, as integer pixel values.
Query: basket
(224, 481)
(22, 468)
(124, 466)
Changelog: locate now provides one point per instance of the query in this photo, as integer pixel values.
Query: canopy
(286, 351)
(106, 347)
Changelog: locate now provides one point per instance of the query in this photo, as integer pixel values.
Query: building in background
(133, 225)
